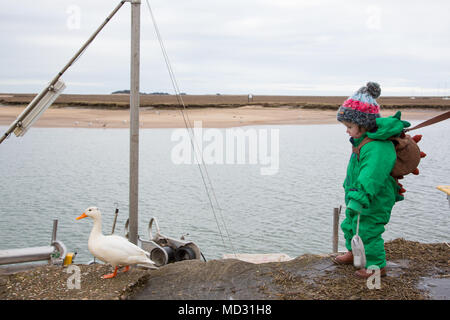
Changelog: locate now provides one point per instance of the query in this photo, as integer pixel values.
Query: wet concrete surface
(437, 288)
(414, 271)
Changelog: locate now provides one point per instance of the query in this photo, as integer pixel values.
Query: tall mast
(134, 120)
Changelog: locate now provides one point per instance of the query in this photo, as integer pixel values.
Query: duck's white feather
(114, 249)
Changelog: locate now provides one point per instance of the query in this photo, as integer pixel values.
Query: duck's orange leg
(126, 269)
(111, 275)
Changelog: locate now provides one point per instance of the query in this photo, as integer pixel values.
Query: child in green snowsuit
(369, 188)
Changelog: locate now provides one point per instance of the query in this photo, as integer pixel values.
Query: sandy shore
(151, 117)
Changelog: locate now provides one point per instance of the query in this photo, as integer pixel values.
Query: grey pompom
(373, 89)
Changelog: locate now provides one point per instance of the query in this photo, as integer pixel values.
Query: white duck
(113, 249)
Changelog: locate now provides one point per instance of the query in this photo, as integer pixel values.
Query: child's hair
(360, 127)
(362, 108)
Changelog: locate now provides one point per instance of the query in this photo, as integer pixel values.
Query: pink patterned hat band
(361, 106)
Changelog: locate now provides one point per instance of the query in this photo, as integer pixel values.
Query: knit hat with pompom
(362, 108)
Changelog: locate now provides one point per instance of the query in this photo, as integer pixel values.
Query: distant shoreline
(121, 101)
(218, 111)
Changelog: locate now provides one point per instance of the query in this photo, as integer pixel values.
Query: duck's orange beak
(82, 216)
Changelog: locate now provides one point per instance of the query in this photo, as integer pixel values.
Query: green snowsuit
(371, 190)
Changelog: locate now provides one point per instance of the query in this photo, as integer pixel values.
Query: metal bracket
(158, 232)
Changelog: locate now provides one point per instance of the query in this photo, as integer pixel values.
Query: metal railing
(54, 253)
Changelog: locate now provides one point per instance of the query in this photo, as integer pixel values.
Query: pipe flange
(60, 255)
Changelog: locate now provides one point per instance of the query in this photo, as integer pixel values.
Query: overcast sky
(273, 47)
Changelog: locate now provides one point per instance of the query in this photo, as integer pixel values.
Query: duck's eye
(90, 209)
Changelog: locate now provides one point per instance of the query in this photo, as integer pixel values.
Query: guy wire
(193, 141)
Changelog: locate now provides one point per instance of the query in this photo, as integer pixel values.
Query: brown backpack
(407, 150)
(408, 154)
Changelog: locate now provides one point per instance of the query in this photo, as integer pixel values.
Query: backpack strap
(438, 118)
(357, 149)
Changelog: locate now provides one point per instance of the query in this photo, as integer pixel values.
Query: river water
(56, 173)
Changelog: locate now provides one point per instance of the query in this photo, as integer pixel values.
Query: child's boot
(364, 274)
(346, 258)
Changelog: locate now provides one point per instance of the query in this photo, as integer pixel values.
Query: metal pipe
(56, 78)
(35, 253)
(26, 254)
(134, 120)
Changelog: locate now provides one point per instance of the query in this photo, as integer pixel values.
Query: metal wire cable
(193, 141)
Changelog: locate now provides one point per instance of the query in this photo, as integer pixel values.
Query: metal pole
(116, 213)
(134, 120)
(55, 228)
(336, 212)
(56, 78)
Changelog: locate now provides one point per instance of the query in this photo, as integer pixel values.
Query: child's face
(354, 130)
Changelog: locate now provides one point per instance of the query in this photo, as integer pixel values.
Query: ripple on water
(57, 173)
